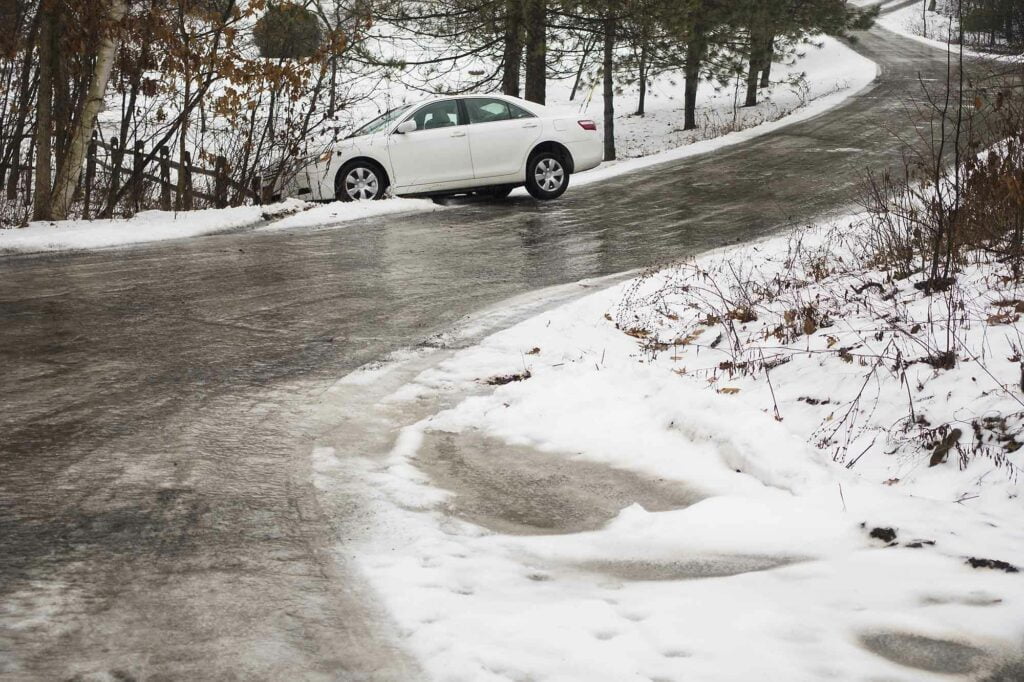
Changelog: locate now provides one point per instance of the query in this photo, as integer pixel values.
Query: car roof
(532, 107)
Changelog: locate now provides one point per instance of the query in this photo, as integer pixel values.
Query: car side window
(442, 114)
(519, 112)
(488, 110)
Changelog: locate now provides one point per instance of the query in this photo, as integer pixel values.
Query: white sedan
(454, 145)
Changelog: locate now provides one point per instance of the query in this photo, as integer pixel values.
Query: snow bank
(774, 566)
(337, 214)
(151, 226)
(144, 227)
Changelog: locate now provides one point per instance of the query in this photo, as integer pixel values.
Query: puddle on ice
(925, 653)
(692, 568)
(521, 491)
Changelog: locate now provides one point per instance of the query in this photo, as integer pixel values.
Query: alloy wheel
(361, 183)
(550, 175)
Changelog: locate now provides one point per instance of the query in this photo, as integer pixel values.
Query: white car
(454, 145)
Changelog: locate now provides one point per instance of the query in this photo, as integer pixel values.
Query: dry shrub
(992, 213)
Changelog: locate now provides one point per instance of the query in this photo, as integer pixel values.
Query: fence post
(165, 178)
(115, 175)
(220, 183)
(90, 174)
(138, 168)
(186, 169)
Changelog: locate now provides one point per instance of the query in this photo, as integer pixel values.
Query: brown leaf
(728, 391)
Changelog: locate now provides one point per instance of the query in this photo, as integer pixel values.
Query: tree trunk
(752, 73)
(536, 50)
(71, 170)
(513, 55)
(44, 112)
(610, 29)
(754, 69)
(642, 77)
(694, 59)
(769, 57)
(179, 196)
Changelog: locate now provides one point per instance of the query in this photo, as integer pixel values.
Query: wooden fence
(137, 179)
(154, 168)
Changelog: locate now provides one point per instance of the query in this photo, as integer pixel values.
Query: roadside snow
(151, 226)
(772, 567)
(337, 214)
(70, 235)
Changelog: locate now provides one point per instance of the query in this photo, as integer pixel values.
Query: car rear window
(488, 110)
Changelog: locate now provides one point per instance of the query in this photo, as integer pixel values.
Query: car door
(501, 134)
(436, 152)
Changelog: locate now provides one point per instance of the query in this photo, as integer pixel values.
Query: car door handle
(459, 133)
(529, 125)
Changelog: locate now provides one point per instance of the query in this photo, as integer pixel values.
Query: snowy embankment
(151, 226)
(841, 503)
(826, 75)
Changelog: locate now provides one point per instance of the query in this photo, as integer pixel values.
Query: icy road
(157, 511)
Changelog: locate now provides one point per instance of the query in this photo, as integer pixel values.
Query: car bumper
(306, 184)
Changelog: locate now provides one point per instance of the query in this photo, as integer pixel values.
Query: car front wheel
(360, 181)
(546, 176)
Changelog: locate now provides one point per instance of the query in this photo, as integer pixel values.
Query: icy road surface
(158, 513)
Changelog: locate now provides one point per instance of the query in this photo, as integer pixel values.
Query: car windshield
(382, 121)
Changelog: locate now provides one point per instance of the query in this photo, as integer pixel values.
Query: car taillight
(588, 125)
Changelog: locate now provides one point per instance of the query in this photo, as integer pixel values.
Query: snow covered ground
(826, 75)
(718, 471)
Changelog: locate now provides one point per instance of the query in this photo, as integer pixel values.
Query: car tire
(547, 176)
(360, 181)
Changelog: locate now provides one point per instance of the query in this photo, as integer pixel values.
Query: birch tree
(71, 170)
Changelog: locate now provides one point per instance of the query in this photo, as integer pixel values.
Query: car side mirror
(406, 127)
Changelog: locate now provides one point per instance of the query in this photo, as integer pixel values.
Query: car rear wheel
(360, 181)
(547, 176)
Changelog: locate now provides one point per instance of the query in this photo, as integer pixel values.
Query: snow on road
(610, 496)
